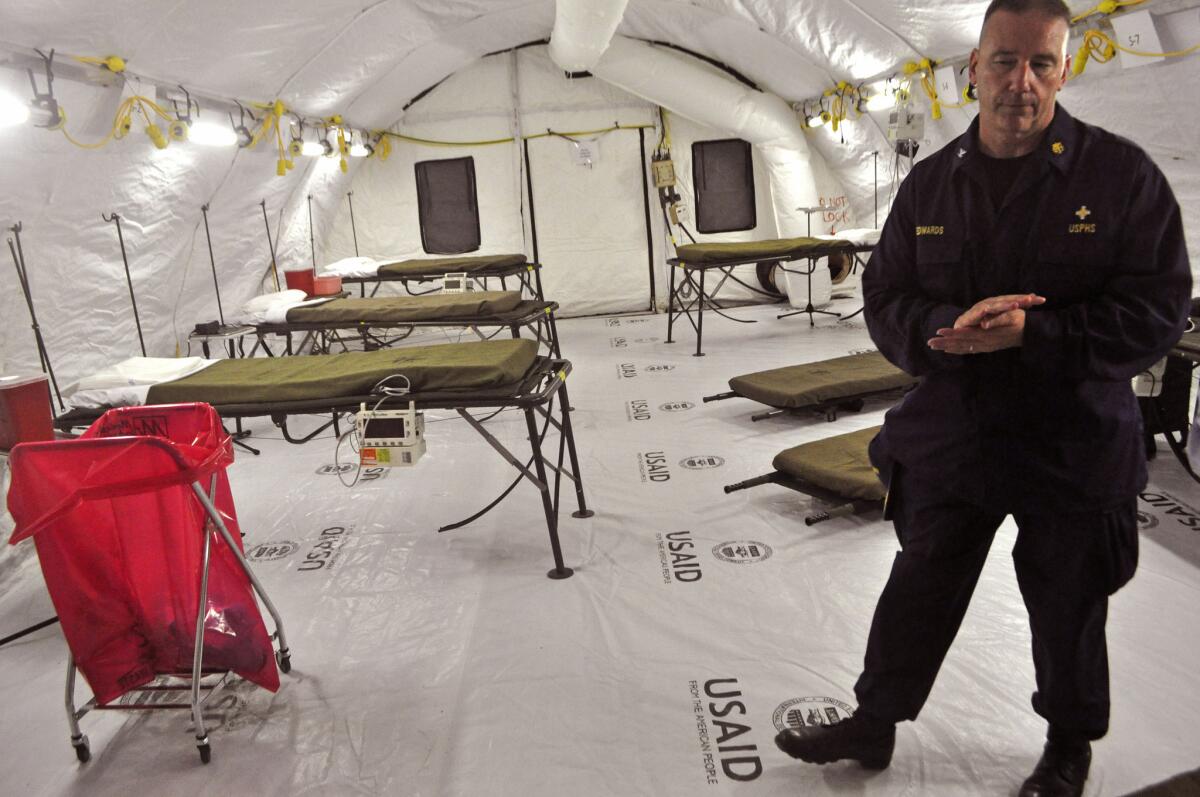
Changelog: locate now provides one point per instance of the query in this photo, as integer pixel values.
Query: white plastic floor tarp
(695, 625)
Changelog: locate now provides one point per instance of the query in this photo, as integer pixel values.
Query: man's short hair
(1050, 8)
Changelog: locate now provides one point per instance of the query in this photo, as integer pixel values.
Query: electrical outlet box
(664, 173)
(906, 124)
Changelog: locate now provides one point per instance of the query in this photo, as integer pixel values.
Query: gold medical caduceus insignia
(1083, 212)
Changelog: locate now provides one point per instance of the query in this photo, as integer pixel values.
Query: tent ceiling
(367, 59)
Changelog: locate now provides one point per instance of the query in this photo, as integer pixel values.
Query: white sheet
(127, 383)
(272, 308)
(352, 267)
(861, 236)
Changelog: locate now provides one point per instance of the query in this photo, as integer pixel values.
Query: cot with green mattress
(835, 470)
(489, 375)
(366, 317)
(479, 267)
(693, 261)
(841, 383)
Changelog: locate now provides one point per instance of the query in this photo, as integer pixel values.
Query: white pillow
(268, 300)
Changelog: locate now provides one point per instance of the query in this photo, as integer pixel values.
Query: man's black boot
(1061, 771)
(859, 738)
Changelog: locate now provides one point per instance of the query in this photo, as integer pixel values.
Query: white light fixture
(816, 120)
(313, 149)
(210, 134)
(12, 111)
(358, 149)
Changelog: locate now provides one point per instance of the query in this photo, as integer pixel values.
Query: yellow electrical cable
(433, 143)
(121, 122)
(843, 97)
(1102, 48)
(1106, 7)
(585, 132)
(489, 142)
(113, 63)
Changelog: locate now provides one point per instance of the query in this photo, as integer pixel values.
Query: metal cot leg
(671, 305)
(560, 570)
(569, 435)
(700, 316)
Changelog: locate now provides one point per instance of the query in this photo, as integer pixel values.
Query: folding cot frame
(830, 408)
(534, 396)
(840, 506)
(702, 299)
(538, 316)
(529, 276)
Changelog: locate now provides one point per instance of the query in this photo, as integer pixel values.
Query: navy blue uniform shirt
(1089, 223)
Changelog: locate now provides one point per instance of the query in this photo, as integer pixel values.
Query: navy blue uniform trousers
(1067, 565)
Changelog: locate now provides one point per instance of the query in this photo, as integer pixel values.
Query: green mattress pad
(827, 380)
(449, 366)
(394, 309)
(427, 266)
(839, 464)
(751, 251)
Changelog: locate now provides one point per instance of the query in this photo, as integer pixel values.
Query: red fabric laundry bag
(118, 531)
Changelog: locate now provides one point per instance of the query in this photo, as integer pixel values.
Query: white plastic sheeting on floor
(696, 622)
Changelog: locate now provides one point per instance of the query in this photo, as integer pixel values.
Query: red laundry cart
(140, 548)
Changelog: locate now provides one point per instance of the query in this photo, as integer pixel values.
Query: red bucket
(25, 410)
(300, 280)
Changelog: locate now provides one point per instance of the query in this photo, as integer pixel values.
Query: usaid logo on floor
(325, 553)
(637, 410)
(1169, 508)
(367, 474)
(652, 466)
(616, 322)
(676, 406)
(272, 551)
(743, 552)
(726, 739)
(630, 370)
(701, 462)
(677, 557)
(807, 712)
(623, 343)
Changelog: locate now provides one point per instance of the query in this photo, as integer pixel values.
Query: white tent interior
(488, 79)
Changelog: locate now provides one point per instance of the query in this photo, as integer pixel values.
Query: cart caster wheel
(285, 661)
(83, 750)
(830, 416)
(205, 753)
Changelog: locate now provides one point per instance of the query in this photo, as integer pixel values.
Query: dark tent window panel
(448, 206)
(723, 176)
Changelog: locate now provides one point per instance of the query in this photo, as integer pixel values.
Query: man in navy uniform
(1027, 272)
